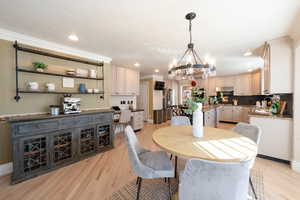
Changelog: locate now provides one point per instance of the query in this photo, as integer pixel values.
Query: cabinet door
(237, 114)
(256, 83)
(227, 113)
(63, 147)
(104, 136)
(267, 83)
(132, 82)
(211, 86)
(35, 155)
(245, 114)
(87, 140)
(120, 81)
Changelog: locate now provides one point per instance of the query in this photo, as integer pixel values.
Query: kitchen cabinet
(256, 82)
(125, 81)
(210, 118)
(137, 121)
(226, 113)
(233, 114)
(278, 66)
(243, 85)
(276, 136)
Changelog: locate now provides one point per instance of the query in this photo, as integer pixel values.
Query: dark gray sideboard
(42, 144)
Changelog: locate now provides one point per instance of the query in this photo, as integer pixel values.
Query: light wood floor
(98, 176)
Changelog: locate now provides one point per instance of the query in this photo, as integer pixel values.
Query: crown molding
(36, 42)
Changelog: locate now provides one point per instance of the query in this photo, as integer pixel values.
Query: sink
(262, 112)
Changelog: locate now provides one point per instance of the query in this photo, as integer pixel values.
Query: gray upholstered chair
(147, 164)
(124, 120)
(210, 180)
(252, 132)
(179, 121)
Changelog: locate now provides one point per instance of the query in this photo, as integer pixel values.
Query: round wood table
(216, 144)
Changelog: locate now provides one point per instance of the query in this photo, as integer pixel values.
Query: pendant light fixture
(190, 65)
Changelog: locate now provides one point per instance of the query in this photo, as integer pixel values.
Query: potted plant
(39, 66)
(194, 108)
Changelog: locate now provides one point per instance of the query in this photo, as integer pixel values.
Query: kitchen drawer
(100, 118)
(36, 127)
(138, 114)
(78, 121)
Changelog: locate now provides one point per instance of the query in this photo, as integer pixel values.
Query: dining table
(216, 144)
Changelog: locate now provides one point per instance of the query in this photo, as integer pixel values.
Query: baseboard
(296, 166)
(6, 169)
(150, 121)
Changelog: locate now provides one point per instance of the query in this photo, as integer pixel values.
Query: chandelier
(190, 65)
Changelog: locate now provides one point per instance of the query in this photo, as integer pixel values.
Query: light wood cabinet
(256, 83)
(278, 66)
(125, 81)
(243, 85)
(210, 118)
(233, 114)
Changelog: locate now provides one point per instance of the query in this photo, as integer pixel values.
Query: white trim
(150, 121)
(36, 42)
(296, 166)
(6, 168)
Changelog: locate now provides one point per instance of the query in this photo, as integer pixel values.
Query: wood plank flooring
(100, 175)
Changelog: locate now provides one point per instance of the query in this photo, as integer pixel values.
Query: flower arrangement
(198, 96)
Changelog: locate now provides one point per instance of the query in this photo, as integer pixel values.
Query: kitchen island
(42, 143)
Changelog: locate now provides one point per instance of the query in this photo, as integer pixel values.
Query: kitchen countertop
(135, 110)
(209, 107)
(253, 114)
(48, 116)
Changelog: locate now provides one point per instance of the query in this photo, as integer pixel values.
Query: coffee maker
(70, 105)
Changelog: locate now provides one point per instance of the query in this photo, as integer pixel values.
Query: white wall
(157, 95)
(116, 101)
(296, 156)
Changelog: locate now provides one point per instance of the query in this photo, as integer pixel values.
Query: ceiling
(155, 32)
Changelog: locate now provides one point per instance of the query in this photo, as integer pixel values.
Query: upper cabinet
(244, 84)
(125, 81)
(278, 66)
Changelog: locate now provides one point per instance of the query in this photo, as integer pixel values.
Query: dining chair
(211, 180)
(147, 164)
(179, 121)
(124, 120)
(252, 132)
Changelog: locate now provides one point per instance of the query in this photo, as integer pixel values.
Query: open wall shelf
(55, 74)
(54, 92)
(44, 53)
(38, 52)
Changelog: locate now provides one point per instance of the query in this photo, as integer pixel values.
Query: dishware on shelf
(54, 109)
(96, 90)
(92, 73)
(90, 90)
(82, 88)
(50, 86)
(82, 72)
(33, 85)
(71, 72)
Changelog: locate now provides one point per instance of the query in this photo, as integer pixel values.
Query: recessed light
(156, 70)
(248, 53)
(137, 64)
(73, 37)
(250, 70)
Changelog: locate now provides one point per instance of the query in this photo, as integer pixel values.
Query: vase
(198, 121)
